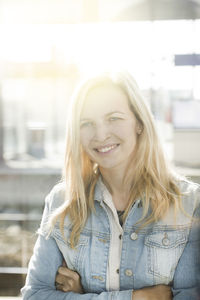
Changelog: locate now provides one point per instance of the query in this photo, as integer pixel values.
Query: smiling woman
(122, 224)
(110, 138)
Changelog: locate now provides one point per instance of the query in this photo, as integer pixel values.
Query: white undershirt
(112, 281)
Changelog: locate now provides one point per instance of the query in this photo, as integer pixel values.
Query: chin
(107, 165)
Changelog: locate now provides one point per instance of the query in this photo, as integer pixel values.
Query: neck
(114, 181)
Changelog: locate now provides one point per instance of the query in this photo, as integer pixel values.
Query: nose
(101, 132)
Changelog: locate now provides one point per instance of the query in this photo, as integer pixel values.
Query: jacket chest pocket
(164, 249)
(74, 257)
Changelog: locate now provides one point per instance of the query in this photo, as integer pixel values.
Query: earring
(95, 168)
(139, 130)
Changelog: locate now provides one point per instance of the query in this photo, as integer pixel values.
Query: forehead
(105, 98)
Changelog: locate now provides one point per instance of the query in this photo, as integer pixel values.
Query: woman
(123, 224)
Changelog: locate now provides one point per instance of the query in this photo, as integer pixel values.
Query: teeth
(106, 149)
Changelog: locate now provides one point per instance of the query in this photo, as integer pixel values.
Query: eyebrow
(114, 112)
(110, 113)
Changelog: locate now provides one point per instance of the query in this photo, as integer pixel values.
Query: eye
(86, 124)
(114, 118)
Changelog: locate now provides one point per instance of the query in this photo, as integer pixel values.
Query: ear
(139, 128)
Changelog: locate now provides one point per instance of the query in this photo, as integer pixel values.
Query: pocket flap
(166, 239)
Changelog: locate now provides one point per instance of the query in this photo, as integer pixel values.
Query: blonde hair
(151, 180)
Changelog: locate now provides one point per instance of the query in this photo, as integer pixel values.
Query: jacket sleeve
(186, 283)
(43, 266)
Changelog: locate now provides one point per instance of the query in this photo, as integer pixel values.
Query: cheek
(85, 137)
(124, 131)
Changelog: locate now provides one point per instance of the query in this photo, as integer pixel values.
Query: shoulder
(190, 200)
(190, 192)
(187, 186)
(189, 189)
(56, 197)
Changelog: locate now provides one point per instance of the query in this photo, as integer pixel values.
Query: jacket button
(134, 236)
(128, 272)
(101, 278)
(117, 271)
(165, 241)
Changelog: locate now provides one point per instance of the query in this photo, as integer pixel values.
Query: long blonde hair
(151, 180)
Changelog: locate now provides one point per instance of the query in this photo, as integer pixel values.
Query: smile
(106, 148)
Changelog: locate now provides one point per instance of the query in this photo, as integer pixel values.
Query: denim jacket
(160, 253)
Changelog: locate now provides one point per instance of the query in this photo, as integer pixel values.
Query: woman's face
(108, 127)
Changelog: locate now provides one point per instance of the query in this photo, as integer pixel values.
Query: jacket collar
(100, 188)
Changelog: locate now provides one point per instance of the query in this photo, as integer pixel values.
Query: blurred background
(46, 48)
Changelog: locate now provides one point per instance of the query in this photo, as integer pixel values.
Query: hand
(68, 280)
(157, 292)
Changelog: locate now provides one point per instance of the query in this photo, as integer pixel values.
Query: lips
(106, 148)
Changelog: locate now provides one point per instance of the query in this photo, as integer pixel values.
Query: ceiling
(78, 11)
(160, 10)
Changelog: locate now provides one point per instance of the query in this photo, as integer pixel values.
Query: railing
(19, 217)
(22, 218)
(13, 270)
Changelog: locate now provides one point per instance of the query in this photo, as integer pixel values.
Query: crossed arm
(45, 270)
(184, 287)
(42, 277)
(68, 281)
